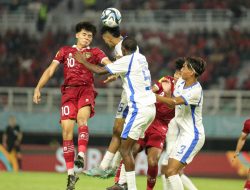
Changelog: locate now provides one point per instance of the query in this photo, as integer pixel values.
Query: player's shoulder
(247, 123)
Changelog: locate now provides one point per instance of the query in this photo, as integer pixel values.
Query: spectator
(12, 139)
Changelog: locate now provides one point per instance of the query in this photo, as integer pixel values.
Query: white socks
(131, 180)
(122, 178)
(81, 154)
(116, 160)
(108, 157)
(164, 182)
(175, 182)
(187, 182)
(71, 171)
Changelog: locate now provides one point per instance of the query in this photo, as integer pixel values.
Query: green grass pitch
(55, 181)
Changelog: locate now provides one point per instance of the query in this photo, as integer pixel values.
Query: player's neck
(117, 40)
(80, 47)
(190, 82)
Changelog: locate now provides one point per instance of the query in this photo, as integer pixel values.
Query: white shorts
(137, 122)
(171, 137)
(186, 147)
(122, 110)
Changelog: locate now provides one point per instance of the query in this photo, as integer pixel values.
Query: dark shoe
(72, 179)
(79, 162)
(118, 187)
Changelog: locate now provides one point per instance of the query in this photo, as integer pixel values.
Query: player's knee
(124, 151)
(117, 129)
(152, 161)
(81, 121)
(171, 171)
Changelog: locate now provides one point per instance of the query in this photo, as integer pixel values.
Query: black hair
(179, 62)
(197, 63)
(129, 44)
(115, 31)
(86, 26)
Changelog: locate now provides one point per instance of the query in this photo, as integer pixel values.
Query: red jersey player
(78, 94)
(154, 138)
(240, 144)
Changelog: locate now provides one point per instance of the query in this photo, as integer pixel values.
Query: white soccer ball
(111, 17)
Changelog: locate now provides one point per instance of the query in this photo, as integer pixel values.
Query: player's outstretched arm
(47, 74)
(171, 102)
(94, 68)
(240, 144)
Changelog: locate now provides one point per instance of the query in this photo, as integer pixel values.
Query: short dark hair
(115, 31)
(86, 26)
(197, 63)
(130, 44)
(179, 62)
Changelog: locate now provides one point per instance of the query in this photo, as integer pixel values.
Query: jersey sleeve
(99, 55)
(246, 128)
(193, 97)
(120, 66)
(59, 56)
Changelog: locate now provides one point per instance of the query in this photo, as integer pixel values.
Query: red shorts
(74, 98)
(155, 135)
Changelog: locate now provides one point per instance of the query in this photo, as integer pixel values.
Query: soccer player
(78, 94)
(240, 144)
(154, 138)
(133, 68)
(111, 160)
(171, 138)
(188, 100)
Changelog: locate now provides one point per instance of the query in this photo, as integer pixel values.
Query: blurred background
(32, 31)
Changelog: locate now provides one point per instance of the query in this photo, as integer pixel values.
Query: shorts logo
(84, 136)
(65, 149)
(87, 100)
(161, 145)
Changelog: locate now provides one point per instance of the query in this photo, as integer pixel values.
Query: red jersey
(246, 128)
(75, 73)
(163, 112)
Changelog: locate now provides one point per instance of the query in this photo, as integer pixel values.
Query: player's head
(178, 65)
(85, 32)
(129, 46)
(111, 36)
(193, 67)
(12, 121)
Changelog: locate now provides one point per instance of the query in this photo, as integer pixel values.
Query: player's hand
(80, 57)
(166, 85)
(110, 78)
(36, 96)
(234, 157)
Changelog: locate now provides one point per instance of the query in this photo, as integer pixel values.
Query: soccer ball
(111, 17)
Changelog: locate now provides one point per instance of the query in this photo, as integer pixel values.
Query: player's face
(107, 37)
(177, 75)
(84, 38)
(186, 72)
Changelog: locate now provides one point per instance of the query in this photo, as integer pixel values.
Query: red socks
(68, 153)
(118, 171)
(247, 184)
(83, 138)
(151, 177)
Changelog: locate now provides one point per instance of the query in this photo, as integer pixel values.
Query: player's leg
(126, 150)
(173, 169)
(68, 151)
(113, 146)
(19, 157)
(153, 158)
(188, 184)
(83, 134)
(247, 184)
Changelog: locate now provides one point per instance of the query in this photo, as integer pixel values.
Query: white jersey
(136, 77)
(118, 50)
(189, 116)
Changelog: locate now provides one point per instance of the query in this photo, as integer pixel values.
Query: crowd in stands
(23, 57)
